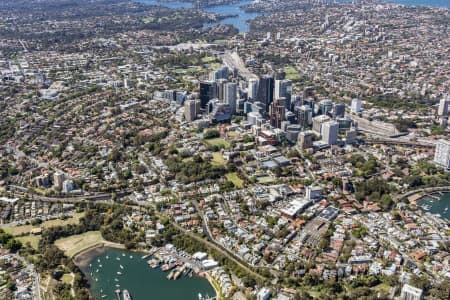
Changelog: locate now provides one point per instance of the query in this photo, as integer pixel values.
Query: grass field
(217, 159)
(266, 180)
(382, 287)
(214, 66)
(33, 239)
(233, 134)
(291, 73)
(208, 59)
(76, 243)
(24, 229)
(234, 178)
(67, 278)
(219, 142)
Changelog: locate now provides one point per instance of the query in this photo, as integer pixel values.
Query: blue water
(240, 22)
(143, 282)
(441, 206)
(436, 3)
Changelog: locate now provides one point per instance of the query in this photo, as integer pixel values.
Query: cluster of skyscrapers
(268, 101)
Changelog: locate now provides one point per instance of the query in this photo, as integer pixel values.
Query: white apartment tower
(442, 153)
(330, 132)
(356, 106)
(443, 107)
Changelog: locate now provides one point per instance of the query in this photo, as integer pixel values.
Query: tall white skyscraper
(443, 107)
(442, 153)
(330, 132)
(230, 95)
(253, 89)
(356, 106)
(283, 89)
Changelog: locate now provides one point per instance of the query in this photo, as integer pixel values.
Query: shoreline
(82, 258)
(414, 197)
(213, 283)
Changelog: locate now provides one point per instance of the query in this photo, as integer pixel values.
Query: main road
(233, 60)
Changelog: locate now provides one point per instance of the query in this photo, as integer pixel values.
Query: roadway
(232, 60)
(209, 243)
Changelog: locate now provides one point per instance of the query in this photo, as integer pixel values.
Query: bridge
(400, 142)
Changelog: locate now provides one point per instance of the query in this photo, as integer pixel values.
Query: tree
(420, 282)
(210, 134)
(13, 245)
(441, 291)
(386, 201)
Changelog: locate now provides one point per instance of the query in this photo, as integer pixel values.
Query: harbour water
(435, 3)
(240, 21)
(437, 204)
(113, 269)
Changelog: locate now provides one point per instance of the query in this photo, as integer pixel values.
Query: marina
(436, 203)
(143, 275)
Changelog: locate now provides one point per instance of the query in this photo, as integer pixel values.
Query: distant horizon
(430, 3)
(433, 3)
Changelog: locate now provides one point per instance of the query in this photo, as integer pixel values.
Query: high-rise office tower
(309, 102)
(303, 115)
(309, 92)
(280, 74)
(442, 153)
(253, 89)
(220, 90)
(278, 112)
(58, 179)
(207, 92)
(318, 121)
(191, 109)
(330, 132)
(325, 107)
(283, 88)
(230, 95)
(265, 91)
(305, 140)
(222, 73)
(339, 110)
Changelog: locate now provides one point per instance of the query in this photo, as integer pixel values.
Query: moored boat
(126, 295)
